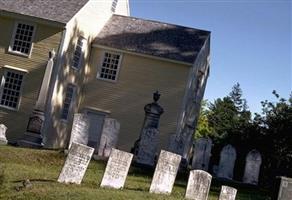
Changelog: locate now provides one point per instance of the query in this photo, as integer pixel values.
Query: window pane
(109, 66)
(22, 40)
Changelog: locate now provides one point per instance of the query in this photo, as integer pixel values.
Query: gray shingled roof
(54, 10)
(152, 38)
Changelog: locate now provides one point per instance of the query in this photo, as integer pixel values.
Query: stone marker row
(202, 153)
(118, 166)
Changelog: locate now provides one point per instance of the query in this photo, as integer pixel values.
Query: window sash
(22, 39)
(79, 53)
(68, 101)
(110, 66)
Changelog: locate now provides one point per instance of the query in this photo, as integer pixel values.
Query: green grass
(42, 168)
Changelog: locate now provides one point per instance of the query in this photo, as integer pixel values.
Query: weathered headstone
(148, 146)
(109, 137)
(80, 129)
(145, 147)
(227, 193)
(116, 169)
(227, 161)
(252, 167)
(76, 163)
(3, 130)
(165, 173)
(202, 153)
(284, 189)
(198, 185)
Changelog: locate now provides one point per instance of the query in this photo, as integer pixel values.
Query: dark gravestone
(283, 189)
(145, 147)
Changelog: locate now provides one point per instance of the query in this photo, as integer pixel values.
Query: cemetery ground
(42, 168)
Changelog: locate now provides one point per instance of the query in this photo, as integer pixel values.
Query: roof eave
(32, 18)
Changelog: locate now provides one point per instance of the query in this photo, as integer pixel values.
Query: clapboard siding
(46, 38)
(139, 77)
(86, 23)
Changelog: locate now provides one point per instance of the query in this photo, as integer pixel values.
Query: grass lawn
(42, 168)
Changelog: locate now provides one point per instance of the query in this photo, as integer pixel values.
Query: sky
(250, 42)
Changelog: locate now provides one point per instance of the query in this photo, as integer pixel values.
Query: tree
(203, 129)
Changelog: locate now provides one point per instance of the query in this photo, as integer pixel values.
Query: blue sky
(251, 42)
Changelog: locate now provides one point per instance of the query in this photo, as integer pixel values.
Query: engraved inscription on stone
(202, 153)
(76, 163)
(109, 137)
(3, 130)
(227, 193)
(227, 161)
(252, 167)
(116, 169)
(198, 185)
(148, 146)
(285, 190)
(80, 129)
(165, 173)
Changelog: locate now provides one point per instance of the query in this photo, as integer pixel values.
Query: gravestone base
(33, 137)
(3, 141)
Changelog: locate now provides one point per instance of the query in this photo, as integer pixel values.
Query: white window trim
(83, 51)
(19, 70)
(71, 104)
(99, 67)
(13, 38)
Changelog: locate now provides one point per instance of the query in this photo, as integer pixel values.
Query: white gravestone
(202, 153)
(165, 173)
(80, 129)
(116, 170)
(76, 163)
(227, 193)
(3, 130)
(148, 146)
(198, 185)
(252, 167)
(285, 189)
(109, 137)
(227, 161)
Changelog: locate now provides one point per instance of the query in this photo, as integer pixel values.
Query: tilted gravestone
(227, 193)
(226, 163)
(145, 148)
(80, 129)
(109, 137)
(252, 167)
(198, 185)
(116, 170)
(3, 130)
(76, 163)
(284, 189)
(165, 173)
(202, 153)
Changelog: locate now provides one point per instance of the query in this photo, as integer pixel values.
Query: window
(110, 66)
(79, 53)
(114, 5)
(22, 39)
(70, 93)
(11, 88)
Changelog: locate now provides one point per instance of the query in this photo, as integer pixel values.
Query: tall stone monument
(165, 173)
(109, 137)
(33, 136)
(227, 193)
(3, 130)
(116, 170)
(181, 142)
(145, 147)
(198, 185)
(252, 167)
(226, 163)
(202, 153)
